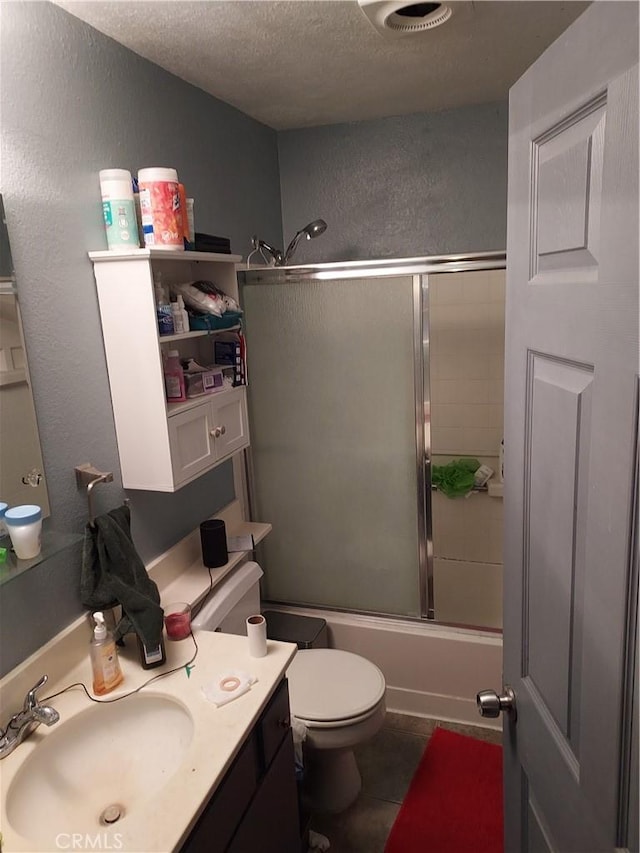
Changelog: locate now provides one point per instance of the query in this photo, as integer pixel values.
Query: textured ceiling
(313, 62)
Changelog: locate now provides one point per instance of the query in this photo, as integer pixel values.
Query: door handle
(490, 703)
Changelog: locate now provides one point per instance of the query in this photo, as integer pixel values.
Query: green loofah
(455, 479)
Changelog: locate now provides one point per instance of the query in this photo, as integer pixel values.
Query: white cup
(24, 524)
(257, 634)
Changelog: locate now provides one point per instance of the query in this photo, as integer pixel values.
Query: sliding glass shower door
(336, 465)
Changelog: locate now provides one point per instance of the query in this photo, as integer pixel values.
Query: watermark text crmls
(89, 841)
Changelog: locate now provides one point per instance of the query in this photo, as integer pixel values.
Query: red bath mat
(454, 802)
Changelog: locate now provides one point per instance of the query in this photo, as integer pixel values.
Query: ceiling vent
(402, 18)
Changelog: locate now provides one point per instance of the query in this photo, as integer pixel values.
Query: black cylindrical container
(213, 537)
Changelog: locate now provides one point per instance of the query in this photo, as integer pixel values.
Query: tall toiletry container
(118, 209)
(161, 209)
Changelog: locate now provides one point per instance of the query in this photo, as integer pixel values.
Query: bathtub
(430, 670)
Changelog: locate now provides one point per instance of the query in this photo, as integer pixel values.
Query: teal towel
(455, 478)
(113, 572)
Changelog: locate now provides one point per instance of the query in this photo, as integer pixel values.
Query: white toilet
(338, 696)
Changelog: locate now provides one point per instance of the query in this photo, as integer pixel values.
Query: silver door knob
(223, 429)
(217, 432)
(490, 704)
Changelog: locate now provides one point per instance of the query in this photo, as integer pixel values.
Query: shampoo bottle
(104, 658)
(163, 306)
(180, 316)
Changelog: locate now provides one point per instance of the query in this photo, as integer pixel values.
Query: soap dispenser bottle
(104, 658)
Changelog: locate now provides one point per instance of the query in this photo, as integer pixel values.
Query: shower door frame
(419, 269)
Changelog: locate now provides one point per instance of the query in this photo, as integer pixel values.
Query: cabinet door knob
(216, 432)
(223, 429)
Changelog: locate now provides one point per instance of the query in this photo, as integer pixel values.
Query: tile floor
(387, 764)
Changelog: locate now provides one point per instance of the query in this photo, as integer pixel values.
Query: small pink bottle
(174, 378)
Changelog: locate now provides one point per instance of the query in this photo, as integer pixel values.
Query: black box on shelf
(212, 243)
(228, 350)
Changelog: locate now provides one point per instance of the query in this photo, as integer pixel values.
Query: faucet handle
(31, 701)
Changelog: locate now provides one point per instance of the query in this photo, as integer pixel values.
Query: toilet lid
(328, 684)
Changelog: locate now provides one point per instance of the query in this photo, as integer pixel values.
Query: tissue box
(205, 381)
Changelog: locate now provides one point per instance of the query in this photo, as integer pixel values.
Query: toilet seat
(343, 721)
(329, 687)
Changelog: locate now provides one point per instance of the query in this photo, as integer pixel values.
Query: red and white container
(162, 214)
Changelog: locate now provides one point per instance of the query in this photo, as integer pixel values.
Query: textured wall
(73, 101)
(432, 183)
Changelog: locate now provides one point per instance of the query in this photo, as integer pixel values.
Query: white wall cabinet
(163, 446)
(208, 434)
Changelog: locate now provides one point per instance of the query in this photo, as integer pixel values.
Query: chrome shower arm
(313, 229)
(291, 248)
(276, 254)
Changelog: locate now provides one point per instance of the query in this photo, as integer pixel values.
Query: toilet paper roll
(257, 634)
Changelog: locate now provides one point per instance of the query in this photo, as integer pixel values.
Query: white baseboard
(451, 709)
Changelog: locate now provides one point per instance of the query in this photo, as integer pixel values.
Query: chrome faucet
(22, 724)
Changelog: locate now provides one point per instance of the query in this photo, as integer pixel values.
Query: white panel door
(570, 437)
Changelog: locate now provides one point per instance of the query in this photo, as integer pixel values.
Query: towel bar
(87, 475)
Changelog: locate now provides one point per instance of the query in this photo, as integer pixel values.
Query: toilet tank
(232, 601)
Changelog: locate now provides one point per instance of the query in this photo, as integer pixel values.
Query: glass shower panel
(333, 441)
(466, 318)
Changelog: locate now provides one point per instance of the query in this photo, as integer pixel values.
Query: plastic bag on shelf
(205, 296)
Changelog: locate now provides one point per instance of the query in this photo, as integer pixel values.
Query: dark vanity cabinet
(255, 807)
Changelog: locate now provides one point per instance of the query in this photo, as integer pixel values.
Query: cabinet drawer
(219, 821)
(273, 725)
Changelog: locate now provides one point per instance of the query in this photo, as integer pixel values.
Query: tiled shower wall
(467, 564)
(466, 319)
(466, 350)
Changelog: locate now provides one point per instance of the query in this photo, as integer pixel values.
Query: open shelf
(163, 255)
(52, 542)
(198, 333)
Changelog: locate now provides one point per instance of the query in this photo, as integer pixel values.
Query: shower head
(313, 229)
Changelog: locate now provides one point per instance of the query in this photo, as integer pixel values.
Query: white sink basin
(114, 755)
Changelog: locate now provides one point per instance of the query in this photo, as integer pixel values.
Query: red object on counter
(178, 625)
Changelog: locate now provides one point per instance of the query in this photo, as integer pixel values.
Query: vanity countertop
(163, 822)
